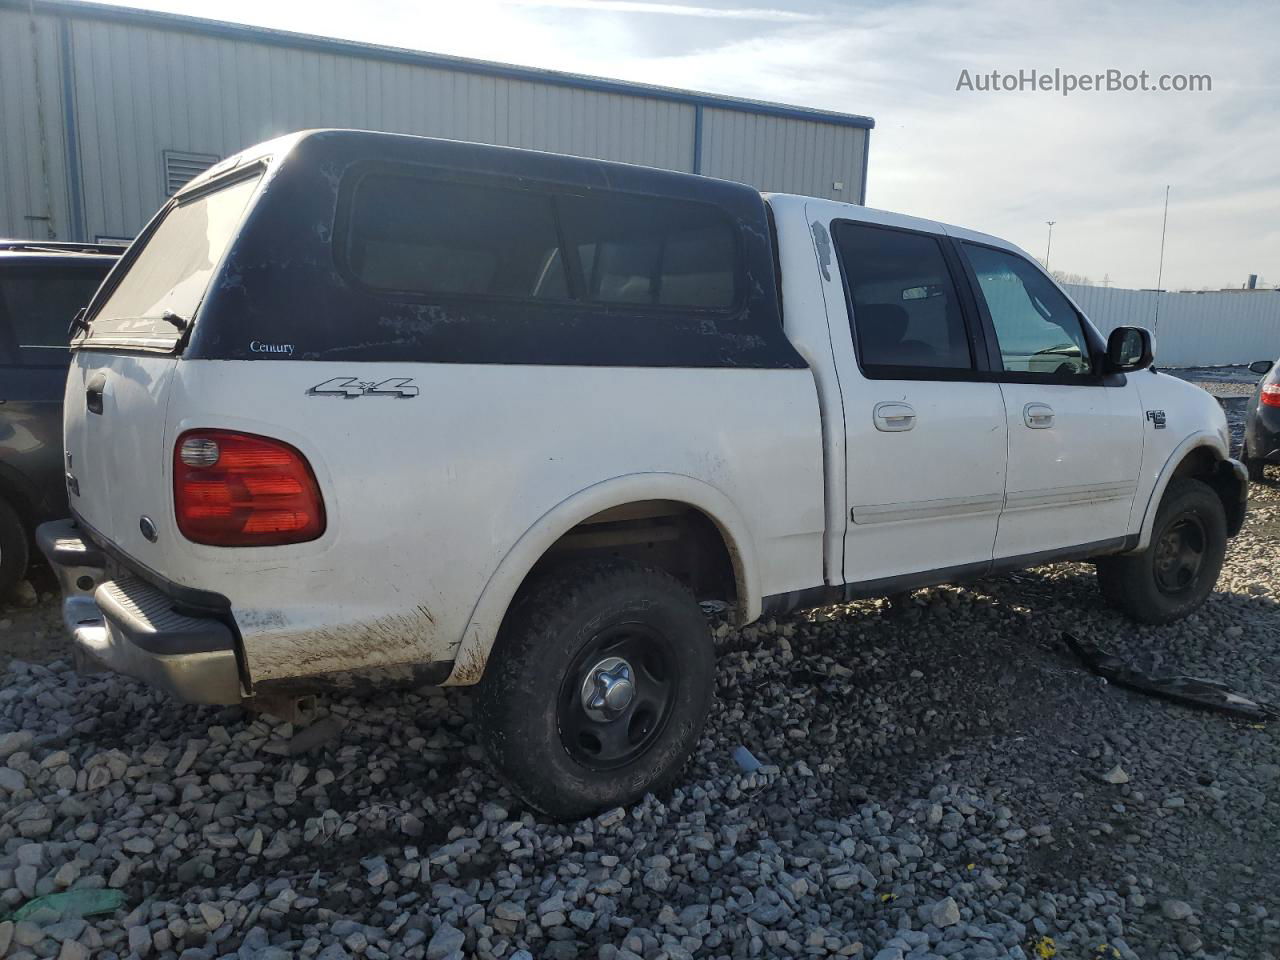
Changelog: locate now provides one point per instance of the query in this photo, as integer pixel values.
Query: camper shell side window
(394, 249)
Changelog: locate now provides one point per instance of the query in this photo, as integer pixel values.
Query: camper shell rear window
(157, 290)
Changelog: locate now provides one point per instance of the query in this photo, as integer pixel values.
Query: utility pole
(1048, 245)
(1155, 322)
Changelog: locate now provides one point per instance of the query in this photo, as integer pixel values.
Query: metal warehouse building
(105, 111)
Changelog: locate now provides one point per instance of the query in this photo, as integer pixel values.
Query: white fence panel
(1193, 329)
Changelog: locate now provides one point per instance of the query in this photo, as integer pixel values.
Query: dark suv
(42, 285)
(1262, 424)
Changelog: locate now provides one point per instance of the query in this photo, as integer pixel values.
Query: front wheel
(597, 688)
(1175, 574)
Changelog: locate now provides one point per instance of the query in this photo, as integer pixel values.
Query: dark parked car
(1262, 425)
(42, 285)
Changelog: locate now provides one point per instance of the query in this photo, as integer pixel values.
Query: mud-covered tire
(1176, 573)
(562, 757)
(14, 549)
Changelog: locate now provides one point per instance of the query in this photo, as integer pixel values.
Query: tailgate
(116, 450)
(116, 402)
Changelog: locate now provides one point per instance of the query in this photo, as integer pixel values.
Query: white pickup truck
(358, 408)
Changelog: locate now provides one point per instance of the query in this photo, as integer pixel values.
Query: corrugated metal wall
(1193, 329)
(226, 94)
(141, 87)
(32, 151)
(783, 155)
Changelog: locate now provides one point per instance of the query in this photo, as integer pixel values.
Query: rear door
(926, 437)
(1075, 434)
(118, 468)
(38, 297)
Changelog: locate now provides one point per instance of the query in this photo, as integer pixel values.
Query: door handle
(893, 417)
(1038, 416)
(93, 392)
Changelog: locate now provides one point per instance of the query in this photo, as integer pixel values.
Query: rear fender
(482, 628)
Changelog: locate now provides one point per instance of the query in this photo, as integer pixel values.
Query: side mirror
(1261, 367)
(1129, 349)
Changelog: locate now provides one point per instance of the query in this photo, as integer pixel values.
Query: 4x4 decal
(351, 388)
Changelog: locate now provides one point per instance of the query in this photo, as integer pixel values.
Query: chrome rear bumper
(128, 626)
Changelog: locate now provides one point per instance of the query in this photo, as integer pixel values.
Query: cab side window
(1037, 329)
(906, 314)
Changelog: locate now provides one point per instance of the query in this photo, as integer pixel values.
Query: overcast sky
(1097, 163)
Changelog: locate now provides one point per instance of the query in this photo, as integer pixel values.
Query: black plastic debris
(1195, 692)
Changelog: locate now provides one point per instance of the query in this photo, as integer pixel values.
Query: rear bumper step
(127, 626)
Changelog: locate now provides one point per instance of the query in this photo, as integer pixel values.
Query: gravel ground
(939, 780)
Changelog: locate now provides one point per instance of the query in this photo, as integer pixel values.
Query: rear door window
(906, 312)
(39, 301)
(418, 235)
(173, 267)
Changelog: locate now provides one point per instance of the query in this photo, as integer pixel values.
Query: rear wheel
(1175, 574)
(597, 688)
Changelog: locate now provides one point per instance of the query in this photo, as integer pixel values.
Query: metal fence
(1193, 329)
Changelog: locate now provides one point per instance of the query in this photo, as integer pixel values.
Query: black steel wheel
(617, 695)
(1176, 573)
(597, 687)
(1179, 554)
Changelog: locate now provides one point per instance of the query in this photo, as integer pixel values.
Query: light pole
(1164, 226)
(1048, 245)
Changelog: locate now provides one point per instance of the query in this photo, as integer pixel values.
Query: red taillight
(241, 490)
(1271, 395)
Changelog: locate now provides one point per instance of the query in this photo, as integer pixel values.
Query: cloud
(1004, 163)
(671, 9)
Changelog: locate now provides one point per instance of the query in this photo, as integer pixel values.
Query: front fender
(1236, 478)
(482, 628)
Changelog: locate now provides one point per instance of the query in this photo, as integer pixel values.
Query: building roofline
(304, 41)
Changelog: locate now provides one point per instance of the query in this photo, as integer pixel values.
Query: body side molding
(825, 595)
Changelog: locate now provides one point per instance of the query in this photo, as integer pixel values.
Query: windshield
(172, 270)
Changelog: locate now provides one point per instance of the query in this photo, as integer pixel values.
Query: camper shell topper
(317, 270)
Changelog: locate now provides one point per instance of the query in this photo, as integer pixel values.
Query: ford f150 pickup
(358, 408)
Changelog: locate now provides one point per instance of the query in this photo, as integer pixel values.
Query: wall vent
(181, 168)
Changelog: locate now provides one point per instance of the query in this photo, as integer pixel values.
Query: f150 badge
(352, 388)
(1157, 418)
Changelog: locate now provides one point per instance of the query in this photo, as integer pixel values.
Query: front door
(925, 437)
(1075, 434)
